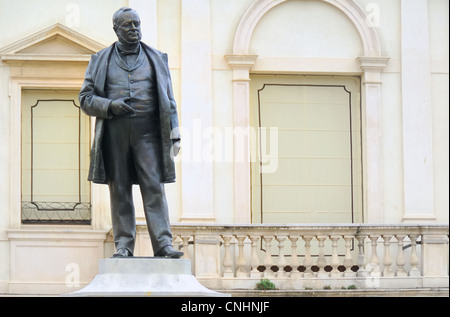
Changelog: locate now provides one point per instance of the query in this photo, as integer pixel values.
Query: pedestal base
(137, 276)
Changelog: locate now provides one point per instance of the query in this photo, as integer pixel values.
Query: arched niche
(353, 11)
(305, 29)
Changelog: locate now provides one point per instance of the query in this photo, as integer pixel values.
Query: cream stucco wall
(303, 37)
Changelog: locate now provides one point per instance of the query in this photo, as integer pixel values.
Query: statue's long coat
(94, 103)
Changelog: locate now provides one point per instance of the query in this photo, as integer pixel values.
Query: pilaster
(241, 65)
(196, 111)
(373, 136)
(417, 112)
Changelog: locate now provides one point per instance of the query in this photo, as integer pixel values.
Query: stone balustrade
(315, 256)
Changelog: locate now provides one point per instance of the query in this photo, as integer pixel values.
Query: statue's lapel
(159, 62)
(102, 65)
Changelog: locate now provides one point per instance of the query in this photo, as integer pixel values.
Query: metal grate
(56, 212)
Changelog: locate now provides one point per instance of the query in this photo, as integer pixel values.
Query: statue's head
(127, 25)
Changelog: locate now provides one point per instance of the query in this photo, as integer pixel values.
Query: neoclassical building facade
(292, 113)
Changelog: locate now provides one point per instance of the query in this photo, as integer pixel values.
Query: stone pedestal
(141, 276)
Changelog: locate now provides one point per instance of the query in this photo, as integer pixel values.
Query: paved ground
(425, 292)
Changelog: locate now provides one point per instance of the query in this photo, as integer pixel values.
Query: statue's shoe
(122, 253)
(169, 252)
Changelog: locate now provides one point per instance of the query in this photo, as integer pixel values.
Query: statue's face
(128, 28)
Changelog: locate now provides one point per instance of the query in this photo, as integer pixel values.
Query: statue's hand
(176, 148)
(119, 107)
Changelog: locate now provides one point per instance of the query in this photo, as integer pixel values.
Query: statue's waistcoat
(137, 81)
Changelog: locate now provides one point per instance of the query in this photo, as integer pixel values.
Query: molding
(56, 235)
(241, 61)
(30, 47)
(414, 218)
(197, 218)
(45, 57)
(241, 65)
(373, 64)
(372, 68)
(49, 32)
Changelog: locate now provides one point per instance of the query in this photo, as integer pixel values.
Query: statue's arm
(92, 104)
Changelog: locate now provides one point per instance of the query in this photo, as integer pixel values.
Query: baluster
(348, 259)
(241, 262)
(400, 256)
(227, 260)
(335, 258)
(254, 260)
(414, 259)
(268, 272)
(281, 263)
(321, 261)
(185, 246)
(387, 261)
(294, 258)
(308, 262)
(361, 257)
(374, 262)
(373, 268)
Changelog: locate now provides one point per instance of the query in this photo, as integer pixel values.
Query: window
(55, 158)
(318, 174)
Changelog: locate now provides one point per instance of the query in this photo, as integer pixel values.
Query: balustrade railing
(294, 255)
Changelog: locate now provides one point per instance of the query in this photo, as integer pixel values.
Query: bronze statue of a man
(128, 89)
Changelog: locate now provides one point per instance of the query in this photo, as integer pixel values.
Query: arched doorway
(368, 66)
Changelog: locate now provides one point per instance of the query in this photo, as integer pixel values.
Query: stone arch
(352, 10)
